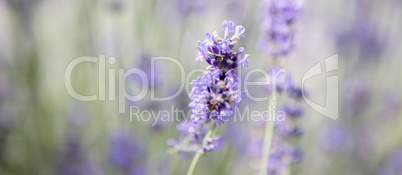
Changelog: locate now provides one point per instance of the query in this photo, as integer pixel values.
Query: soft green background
(39, 38)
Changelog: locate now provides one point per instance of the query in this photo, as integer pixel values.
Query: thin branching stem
(197, 155)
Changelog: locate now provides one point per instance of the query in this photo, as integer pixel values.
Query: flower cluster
(277, 26)
(211, 97)
(214, 92)
(192, 139)
(218, 51)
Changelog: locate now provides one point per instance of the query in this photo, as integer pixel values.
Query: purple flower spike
(214, 93)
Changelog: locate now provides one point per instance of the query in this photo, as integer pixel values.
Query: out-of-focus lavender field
(46, 128)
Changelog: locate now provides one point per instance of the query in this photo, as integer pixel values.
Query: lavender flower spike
(214, 92)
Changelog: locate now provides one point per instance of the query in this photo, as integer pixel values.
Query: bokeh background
(43, 130)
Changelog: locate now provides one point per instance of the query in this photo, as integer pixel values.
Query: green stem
(269, 130)
(197, 155)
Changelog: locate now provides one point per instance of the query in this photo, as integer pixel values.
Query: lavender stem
(267, 146)
(197, 155)
(269, 129)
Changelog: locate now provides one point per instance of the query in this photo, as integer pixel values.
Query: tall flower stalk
(277, 40)
(213, 94)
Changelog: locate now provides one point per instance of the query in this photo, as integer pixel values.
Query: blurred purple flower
(277, 39)
(291, 109)
(294, 110)
(74, 161)
(282, 155)
(335, 138)
(287, 130)
(145, 65)
(193, 6)
(362, 37)
(126, 153)
(277, 26)
(394, 166)
(292, 90)
(358, 95)
(115, 5)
